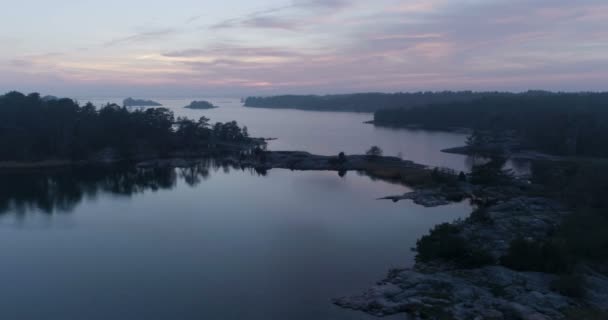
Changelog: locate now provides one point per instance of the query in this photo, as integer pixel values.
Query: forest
(35, 129)
(558, 123)
(363, 102)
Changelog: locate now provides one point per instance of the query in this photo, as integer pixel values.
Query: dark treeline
(559, 123)
(362, 102)
(33, 129)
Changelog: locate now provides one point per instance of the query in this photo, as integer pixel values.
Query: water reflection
(61, 190)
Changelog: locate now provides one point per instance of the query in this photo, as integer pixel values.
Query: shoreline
(421, 179)
(434, 289)
(419, 127)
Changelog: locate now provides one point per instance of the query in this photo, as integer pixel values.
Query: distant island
(568, 124)
(49, 98)
(201, 105)
(363, 102)
(130, 102)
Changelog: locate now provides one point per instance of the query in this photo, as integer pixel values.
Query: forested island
(200, 105)
(34, 130)
(130, 102)
(363, 102)
(574, 124)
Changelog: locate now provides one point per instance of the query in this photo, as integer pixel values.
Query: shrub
(445, 176)
(541, 256)
(569, 285)
(481, 215)
(462, 177)
(374, 152)
(445, 243)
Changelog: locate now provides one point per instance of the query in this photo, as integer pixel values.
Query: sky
(264, 47)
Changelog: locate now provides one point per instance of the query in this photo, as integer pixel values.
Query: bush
(569, 285)
(491, 173)
(445, 243)
(481, 215)
(462, 177)
(374, 152)
(445, 176)
(584, 233)
(543, 256)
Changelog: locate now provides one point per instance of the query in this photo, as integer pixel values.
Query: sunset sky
(243, 47)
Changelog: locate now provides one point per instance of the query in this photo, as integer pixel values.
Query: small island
(201, 105)
(130, 102)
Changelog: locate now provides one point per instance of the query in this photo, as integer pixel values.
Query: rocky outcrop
(486, 293)
(424, 197)
(520, 217)
(439, 290)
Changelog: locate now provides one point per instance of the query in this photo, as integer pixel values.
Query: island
(130, 102)
(34, 133)
(200, 105)
(362, 102)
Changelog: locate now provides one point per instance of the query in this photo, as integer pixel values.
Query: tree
(342, 157)
(374, 152)
(462, 177)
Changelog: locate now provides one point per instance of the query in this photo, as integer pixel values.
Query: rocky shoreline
(440, 290)
(518, 155)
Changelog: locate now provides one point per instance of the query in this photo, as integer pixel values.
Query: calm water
(203, 243)
(325, 133)
(213, 242)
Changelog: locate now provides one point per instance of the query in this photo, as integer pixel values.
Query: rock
(519, 217)
(491, 314)
(424, 197)
(462, 294)
(492, 292)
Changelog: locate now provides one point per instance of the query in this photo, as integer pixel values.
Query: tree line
(559, 123)
(33, 129)
(362, 102)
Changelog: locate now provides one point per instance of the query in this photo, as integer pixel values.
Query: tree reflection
(61, 190)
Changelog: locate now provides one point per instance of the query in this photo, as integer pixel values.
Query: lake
(215, 242)
(205, 243)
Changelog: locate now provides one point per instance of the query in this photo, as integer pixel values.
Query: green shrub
(569, 285)
(481, 215)
(584, 233)
(541, 256)
(445, 243)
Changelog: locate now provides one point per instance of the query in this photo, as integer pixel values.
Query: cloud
(339, 45)
(315, 4)
(234, 51)
(142, 37)
(193, 19)
(283, 18)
